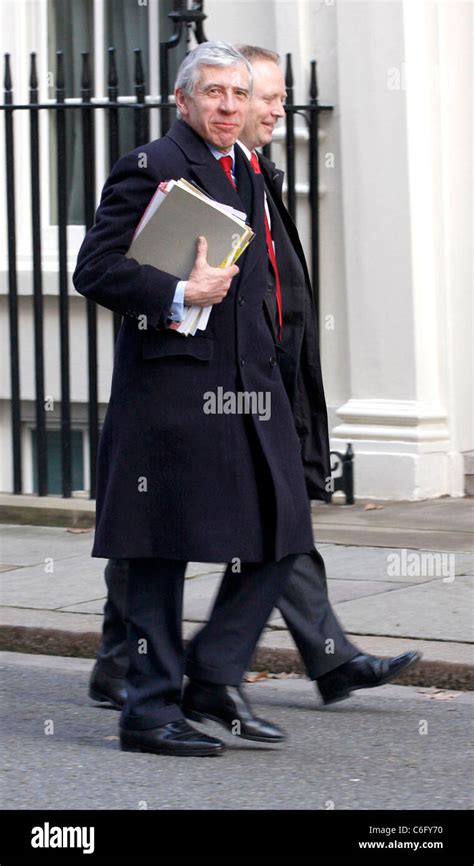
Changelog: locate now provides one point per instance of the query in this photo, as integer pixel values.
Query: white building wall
(402, 415)
(456, 39)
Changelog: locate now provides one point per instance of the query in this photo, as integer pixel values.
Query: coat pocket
(168, 344)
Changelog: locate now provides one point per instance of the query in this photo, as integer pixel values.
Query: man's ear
(181, 101)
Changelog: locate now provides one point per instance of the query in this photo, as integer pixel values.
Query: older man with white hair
(219, 487)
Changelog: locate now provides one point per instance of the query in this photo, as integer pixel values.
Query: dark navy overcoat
(300, 364)
(174, 481)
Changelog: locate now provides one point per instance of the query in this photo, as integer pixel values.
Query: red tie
(271, 250)
(226, 164)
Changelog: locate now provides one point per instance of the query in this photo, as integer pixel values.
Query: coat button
(272, 361)
(241, 301)
(242, 361)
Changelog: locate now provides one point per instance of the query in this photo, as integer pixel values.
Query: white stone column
(401, 414)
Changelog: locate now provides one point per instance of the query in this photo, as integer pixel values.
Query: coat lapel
(211, 178)
(252, 183)
(244, 174)
(274, 180)
(251, 190)
(205, 168)
(274, 176)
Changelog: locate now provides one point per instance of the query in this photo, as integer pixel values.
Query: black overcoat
(300, 364)
(173, 481)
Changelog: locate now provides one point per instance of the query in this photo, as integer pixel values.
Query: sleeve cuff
(177, 307)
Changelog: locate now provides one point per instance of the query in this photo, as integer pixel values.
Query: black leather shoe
(228, 706)
(106, 690)
(175, 738)
(362, 672)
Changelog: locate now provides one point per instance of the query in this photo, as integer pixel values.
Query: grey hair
(208, 54)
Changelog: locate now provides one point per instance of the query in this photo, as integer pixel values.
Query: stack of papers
(177, 214)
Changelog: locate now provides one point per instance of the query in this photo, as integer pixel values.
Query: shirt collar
(217, 153)
(248, 153)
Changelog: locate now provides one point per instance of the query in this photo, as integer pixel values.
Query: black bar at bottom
(251, 838)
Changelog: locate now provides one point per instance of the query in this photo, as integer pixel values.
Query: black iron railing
(342, 473)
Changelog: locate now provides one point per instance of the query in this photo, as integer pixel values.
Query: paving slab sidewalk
(400, 576)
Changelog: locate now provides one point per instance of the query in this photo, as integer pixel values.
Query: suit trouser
(112, 655)
(219, 653)
(311, 621)
(304, 605)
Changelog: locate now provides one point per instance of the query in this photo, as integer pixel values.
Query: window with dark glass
(71, 30)
(72, 25)
(53, 451)
(126, 28)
